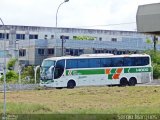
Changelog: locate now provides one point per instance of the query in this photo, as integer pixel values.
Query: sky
(90, 14)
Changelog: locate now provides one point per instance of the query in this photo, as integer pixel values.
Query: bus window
(117, 62)
(129, 61)
(105, 62)
(138, 61)
(72, 63)
(83, 63)
(59, 69)
(93, 63)
(145, 60)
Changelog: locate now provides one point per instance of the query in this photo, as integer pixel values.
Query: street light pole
(58, 10)
(57, 23)
(4, 71)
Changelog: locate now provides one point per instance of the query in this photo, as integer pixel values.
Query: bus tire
(123, 82)
(71, 84)
(132, 81)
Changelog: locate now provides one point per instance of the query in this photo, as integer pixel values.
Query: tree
(28, 74)
(155, 57)
(11, 64)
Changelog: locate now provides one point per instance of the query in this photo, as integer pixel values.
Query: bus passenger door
(59, 69)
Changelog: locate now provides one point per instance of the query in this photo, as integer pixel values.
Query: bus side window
(117, 62)
(145, 60)
(93, 63)
(129, 61)
(83, 63)
(72, 63)
(105, 62)
(141, 61)
(138, 61)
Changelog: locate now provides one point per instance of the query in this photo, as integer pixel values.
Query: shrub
(11, 76)
(155, 57)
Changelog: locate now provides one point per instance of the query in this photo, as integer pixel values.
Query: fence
(16, 87)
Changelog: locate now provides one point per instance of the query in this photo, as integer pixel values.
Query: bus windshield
(47, 69)
(48, 63)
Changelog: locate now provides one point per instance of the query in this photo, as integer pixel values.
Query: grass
(85, 100)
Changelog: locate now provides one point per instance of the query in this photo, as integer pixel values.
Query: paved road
(153, 83)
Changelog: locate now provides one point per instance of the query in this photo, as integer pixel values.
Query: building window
(45, 37)
(52, 36)
(2, 36)
(22, 52)
(74, 52)
(50, 51)
(41, 51)
(20, 36)
(64, 37)
(100, 51)
(100, 39)
(114, 39)
(33, 36)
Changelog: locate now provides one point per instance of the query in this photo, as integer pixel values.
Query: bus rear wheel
(71, 84)
(132, 81)
(123, 82)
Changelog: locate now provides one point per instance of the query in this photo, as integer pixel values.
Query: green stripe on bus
(102, 71)
(85, 72)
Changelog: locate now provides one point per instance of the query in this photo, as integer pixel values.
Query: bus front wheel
(123, 82)
(132, 81)
(71, 84)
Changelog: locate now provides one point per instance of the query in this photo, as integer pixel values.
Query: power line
(108, 25)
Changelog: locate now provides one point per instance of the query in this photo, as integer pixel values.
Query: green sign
(84, 38)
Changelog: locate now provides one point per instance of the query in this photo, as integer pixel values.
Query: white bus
(96, 69)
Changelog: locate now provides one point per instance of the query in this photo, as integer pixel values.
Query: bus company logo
(142, 69)
(69, 72)
(72, 72)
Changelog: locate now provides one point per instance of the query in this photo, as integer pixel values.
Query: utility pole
(62, 37)
(4, 71)
(155, 40)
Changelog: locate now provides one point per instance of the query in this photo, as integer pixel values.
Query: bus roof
(96, 56)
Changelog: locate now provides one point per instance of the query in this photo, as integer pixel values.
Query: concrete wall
(148, 18)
